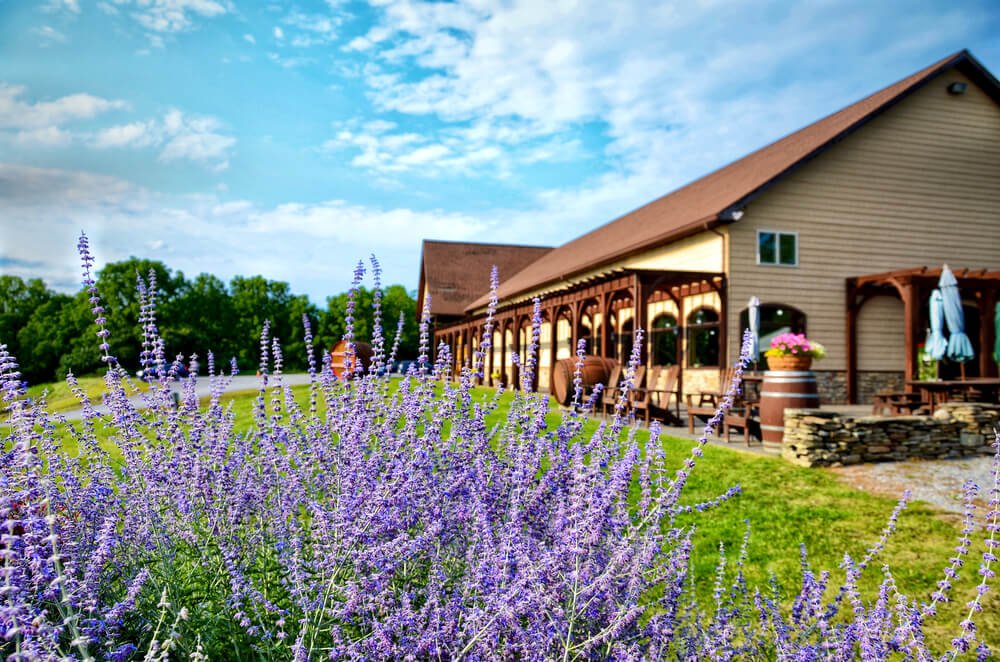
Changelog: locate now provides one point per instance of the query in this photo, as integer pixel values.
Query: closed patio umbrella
(959, 346)
(754, 320)
(935, 345)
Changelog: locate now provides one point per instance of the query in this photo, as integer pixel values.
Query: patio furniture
(936, 391)
(641, 397)
(610, 395)
(708, 401)
(897, 403)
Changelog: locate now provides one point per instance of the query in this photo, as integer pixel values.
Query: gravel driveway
(938, 482)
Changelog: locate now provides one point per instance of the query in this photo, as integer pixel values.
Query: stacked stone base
(819, 438)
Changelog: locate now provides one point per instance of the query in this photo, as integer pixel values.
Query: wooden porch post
(639, 313)
(603, 338)
(911, 305)
(852, 342)
(724, 326)
(987, 332)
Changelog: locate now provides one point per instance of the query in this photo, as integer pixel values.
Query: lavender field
(403, 520)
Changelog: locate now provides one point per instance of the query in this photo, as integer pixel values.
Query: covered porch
(978, 288)
(683, 314)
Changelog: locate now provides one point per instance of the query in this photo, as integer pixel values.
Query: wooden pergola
(606, 294)
(914, 287)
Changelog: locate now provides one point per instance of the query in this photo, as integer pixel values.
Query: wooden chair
(648, 400)
(641, 397)
(610, 395)
(708, 401)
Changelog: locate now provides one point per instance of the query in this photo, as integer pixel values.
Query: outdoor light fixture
(957, 88)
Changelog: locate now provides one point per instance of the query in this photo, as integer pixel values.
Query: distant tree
(395, 299)
(202, 320)
(116, 283)
(19, 300)
(256, 299)
(46, 336)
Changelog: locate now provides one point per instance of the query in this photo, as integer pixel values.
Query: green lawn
(59, 396)
(786, 506)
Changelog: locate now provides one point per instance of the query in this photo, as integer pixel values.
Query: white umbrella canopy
(754, 322)
(936, 345)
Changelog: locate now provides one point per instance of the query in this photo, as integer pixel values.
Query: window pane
(787, 248)
(766, 248)
(665, 347)
(703, 347)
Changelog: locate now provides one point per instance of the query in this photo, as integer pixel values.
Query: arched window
(627, 336)
(775, 319)
(663, 340)
(703, 338)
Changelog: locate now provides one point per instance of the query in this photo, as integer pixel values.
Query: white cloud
(671, 89)
(278, 32)
(135, 134)
(50, 136)
(178, 136)
(50, 35)
(16, 113)
(249, 38)
(169, 16)
(72, 6)
(43, 210)
(473, 150)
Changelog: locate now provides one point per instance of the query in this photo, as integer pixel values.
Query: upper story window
(778, 248)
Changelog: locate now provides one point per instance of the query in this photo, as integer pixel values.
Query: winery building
(840, 229)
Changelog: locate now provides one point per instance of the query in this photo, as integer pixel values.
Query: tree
(395, 300)
(203, 319)
(19, 300)
(256, 299)
(116, 283)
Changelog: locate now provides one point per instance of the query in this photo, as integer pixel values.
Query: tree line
(52, 333)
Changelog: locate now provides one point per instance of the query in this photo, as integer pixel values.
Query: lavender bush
(386, 521)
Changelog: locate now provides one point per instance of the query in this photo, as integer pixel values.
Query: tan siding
(880, 334)
(919, 185)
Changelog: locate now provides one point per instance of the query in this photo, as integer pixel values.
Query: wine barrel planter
(781, 390)
(363, 356)
(596, 370)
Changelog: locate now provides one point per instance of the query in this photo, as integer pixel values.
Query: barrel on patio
(363, 356)
(780, 390)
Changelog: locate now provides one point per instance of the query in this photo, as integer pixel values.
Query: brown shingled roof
(705, 202)
(458, 273)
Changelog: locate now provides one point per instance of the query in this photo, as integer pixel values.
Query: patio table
(935, 391)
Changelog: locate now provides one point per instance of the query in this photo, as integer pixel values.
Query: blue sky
(292, 139)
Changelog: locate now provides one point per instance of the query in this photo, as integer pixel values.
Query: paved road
(204, 389)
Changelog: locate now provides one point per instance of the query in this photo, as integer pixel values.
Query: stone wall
(832, 385)
(871, 382)
(815, 437)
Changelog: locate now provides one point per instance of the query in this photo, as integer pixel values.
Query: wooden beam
(852, 341)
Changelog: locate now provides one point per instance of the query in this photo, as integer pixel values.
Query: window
(775, 318)
(663, 340)
(703, 338)
(778, 248)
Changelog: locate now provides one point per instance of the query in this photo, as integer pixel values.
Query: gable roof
(457, 273)
(711, 200)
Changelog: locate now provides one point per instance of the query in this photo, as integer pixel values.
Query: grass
(788, 506)
(61, 399)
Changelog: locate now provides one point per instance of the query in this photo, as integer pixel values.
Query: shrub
(390, 522)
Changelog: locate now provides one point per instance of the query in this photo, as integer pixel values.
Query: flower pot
(791, 362)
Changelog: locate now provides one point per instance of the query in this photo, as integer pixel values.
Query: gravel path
(938, 482)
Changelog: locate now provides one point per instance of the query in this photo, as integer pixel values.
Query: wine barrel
(362, 352)
(596, 370)
(781, 390)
